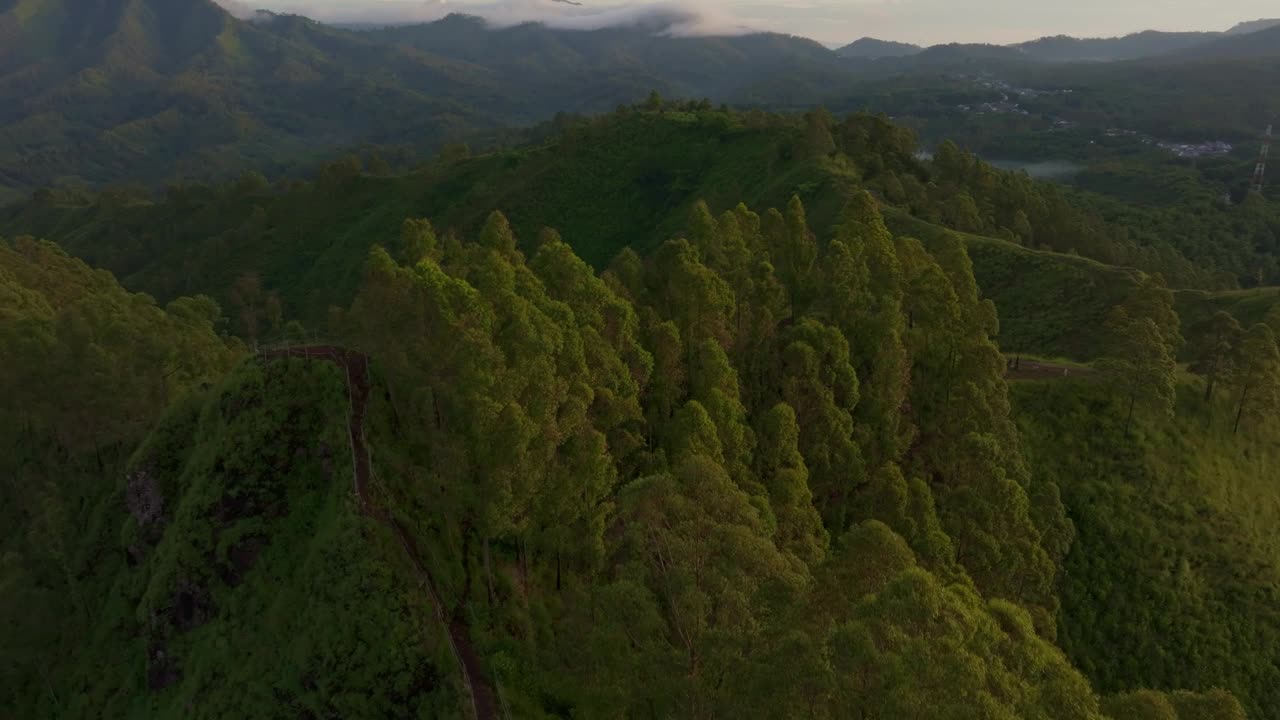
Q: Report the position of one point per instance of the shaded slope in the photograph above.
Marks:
(246, 562)
(1175, 572)
(355, 369)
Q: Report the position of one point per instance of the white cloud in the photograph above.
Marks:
(832, 21)
(237, 8)
(682, 19)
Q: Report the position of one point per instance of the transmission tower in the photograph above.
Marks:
(1259, 173)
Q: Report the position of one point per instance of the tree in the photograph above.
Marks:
(695, 541)
(951, 163)
(864, 286)
(793, 250)
(821, 386)
(1153, 299)
(1140, 364)
(962, 213)
(781, 468)
(1139, 705)
(1272, 319)
(497, 235)
(417, 242)
(714, 383)
(1259, 375)
(258, 309)
(1216, 357)
(1216, 704)
(817, 133)
(697, 298)
(1022, 229)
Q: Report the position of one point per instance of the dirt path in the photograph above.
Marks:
(356, 368)
(1038, 370)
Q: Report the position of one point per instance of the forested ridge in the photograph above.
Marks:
(739, 442)
(643, 167)
(752, 471)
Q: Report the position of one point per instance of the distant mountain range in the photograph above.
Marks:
(1253, 26)
(161, 90)
(873, 49)
(157, 91)
(1263, 43)
(1063, 48)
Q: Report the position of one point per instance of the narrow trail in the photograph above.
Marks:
(1038, 370)
(355, 365)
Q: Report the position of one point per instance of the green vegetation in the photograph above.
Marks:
(1173, 578)
(745, 472)
(643, 170)
(688, 459)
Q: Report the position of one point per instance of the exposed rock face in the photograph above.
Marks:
(142, 495)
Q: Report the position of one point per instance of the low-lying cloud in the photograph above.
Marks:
(679, 19)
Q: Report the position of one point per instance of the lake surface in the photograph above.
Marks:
(1041, 169)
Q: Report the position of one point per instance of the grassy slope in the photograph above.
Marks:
(1175, 533)
(1048, 302)
(1053, 304)
(261, 592)
(1195, 307)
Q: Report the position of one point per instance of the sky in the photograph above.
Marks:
(833, 22)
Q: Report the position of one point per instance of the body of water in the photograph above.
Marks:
(1041, 169)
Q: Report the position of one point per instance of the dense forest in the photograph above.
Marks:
(752, 468)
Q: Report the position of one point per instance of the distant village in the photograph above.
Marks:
(1182, 150)
(1008, 105)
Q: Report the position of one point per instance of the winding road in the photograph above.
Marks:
(355, 366)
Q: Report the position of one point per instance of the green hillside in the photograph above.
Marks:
(1175, 531)
(622, 180)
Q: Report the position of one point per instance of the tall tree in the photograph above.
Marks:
(417, 242)
(1259, 375)
(691, 294)
(794, 251)
(695, 541)
(257, 309)
(1218, 352)
(1152, 299)
(781, 468)
(1140, 363)
(864, 285)
(821, 386)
